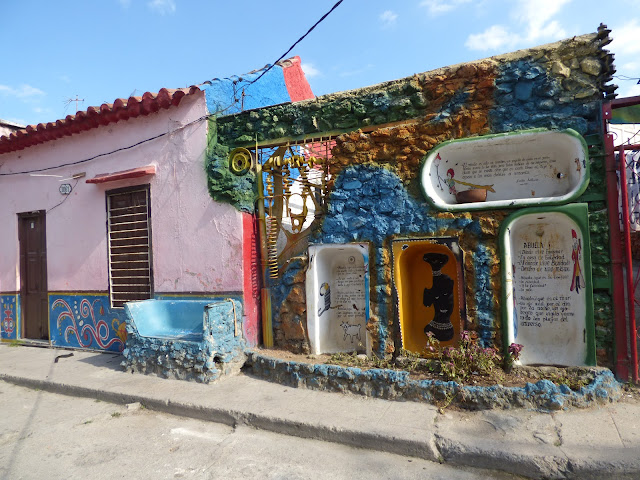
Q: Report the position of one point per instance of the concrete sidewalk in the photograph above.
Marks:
(587, 443)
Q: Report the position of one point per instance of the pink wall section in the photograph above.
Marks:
(197, 243)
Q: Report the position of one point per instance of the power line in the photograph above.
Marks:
(44, 169)
(296, 43)
(205, 117)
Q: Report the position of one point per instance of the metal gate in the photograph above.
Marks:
(624, 287)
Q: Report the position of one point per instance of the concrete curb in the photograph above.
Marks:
(425, 449)
(599, 442)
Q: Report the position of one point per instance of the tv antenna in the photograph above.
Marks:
(69, 101)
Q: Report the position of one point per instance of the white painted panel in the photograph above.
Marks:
(515, 169)
(546, 289)
(337, 287)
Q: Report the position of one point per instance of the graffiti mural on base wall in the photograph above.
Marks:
(9, 316)
(86, 321)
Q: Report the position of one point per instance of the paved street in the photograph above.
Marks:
(47, 435)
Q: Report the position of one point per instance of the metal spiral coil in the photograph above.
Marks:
(272, 240)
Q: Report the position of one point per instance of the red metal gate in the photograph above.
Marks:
(626, 361)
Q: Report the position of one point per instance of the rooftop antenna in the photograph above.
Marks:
(68, 102)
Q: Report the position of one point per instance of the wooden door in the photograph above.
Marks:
(33, 275)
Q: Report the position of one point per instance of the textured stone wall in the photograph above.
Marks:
(384, 132)
(397, 385)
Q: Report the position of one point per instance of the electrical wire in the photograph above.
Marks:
(205, 117)
(632, 136)
(625, 77)
(44, 169)
(296, 43)
(66, 196)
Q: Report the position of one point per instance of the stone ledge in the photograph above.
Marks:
(544, 395)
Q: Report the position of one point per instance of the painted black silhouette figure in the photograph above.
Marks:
(440, 295)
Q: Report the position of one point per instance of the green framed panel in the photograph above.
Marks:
(547, 289)
(506, 170)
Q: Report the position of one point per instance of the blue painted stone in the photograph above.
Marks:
(352, 184)
(523, 90)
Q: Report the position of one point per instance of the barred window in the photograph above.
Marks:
(129, 231)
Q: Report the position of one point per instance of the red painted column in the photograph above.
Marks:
(615, 239)
(251, 279)
(294, 79)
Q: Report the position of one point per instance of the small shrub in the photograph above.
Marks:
(469, 358)
(513, 354)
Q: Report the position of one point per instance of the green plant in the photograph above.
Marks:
(458, 364)
(413, 359)
(573, 382)
(116, 414)
(352, 360)
(513, 354)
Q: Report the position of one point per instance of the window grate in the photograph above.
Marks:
(128, 228)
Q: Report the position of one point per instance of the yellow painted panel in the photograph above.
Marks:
(412, 275)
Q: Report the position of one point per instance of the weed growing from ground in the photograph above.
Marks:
(469, 358)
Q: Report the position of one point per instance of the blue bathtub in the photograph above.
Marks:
(184, 339)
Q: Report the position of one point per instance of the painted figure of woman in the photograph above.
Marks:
(450, 182)
(576, 256)
(440, 295)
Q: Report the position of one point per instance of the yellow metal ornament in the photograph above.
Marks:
(240, 161)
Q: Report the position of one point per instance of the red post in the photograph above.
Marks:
(622, 357)
(633, 361)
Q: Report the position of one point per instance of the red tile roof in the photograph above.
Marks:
(121, 109)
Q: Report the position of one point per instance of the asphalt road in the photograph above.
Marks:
(46, 435)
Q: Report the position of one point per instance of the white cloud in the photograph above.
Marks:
(125, 3)
(630, 66)
(626, 47)
(532, 23)
(438, 7)
(625, 39)
(27, 91)
(309, 70)
(535, 15)
(388, 18)
(163, 7)
(493, 38)
(23, 91)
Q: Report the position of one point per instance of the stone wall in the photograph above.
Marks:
(383, 134)
(398, 385)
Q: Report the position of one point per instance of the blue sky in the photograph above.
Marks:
(101, 50)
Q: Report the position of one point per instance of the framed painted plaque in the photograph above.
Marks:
(547, 290)
(517, 169)
(337, 286)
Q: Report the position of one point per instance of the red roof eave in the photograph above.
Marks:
(94, 117)
(124, 174)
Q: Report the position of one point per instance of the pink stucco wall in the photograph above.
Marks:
(197, 243)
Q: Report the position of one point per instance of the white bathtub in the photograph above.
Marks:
(516, 169)
(337, 286)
